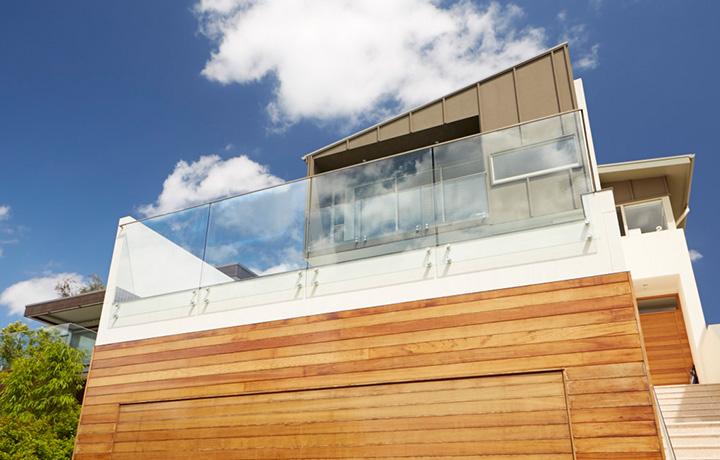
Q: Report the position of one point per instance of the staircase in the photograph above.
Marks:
(692, 418)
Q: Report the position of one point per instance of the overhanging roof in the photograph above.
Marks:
(677, 169)
(83, 310)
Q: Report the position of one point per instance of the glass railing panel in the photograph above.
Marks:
(509, 180)
(258, 234)
(161, 255)
(512, 179)
(371, 209)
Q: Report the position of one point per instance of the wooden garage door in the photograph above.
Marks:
(499, 416)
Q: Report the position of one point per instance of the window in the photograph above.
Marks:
(647, 217)
(534, 160)
(657, 304)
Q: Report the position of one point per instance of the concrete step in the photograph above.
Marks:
(665, 391)
(692, 417)
(696, 404)
(694, 395)
(696, 416)
(694, 429)
(696, 442)
(697, 454)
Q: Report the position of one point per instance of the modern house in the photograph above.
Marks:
(462, 281)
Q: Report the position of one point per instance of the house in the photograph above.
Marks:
(460, 281)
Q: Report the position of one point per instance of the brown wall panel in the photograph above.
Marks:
(536, 92)
(461, 105)
(498, 103)
(639, 189)
(428, 117)
(580, 338)
(566, 89)
(367, 138)
(536, 88)
(396, 128)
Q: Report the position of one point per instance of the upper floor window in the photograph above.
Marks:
(645, 217)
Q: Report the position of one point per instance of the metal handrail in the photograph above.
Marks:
(667, 441)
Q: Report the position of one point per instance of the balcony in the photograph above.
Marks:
(77, 337)
(272, 243)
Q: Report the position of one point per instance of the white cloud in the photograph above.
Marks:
(33, 290)
(590, 59)
(346, 60)
(578, 37)
(8, 233)
(208, 178)
(695, 255)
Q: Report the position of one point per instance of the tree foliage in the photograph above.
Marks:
(68, 287)
(39, 390)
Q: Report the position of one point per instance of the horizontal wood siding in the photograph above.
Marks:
(473, 416)
(180, 390)
(668, 349)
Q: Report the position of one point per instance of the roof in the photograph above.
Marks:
(677, 169)
(83, 310)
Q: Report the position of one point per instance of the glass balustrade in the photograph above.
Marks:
(161, 255)
(373, 208)
(513, 179)
(257, 234)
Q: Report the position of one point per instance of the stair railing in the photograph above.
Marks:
(667, 442)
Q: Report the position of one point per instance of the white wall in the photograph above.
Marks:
(558, 252)
(710, 350)
(660, 264)
(582, 105)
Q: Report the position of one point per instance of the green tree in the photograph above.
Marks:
(39, 392)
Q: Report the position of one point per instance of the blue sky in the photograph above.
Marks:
(99, 101)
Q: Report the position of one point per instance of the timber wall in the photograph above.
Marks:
(564, 363)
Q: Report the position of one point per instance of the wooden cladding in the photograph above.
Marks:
(668, 348)
(540, 87)
(474, 416)
(552, 371)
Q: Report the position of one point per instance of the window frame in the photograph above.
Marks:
(667, 214)
(540, 172)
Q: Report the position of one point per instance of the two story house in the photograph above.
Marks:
(460, 281)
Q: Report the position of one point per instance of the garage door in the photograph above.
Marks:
(499, 416)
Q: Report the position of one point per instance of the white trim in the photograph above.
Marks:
(541, 172)
(582, 106)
